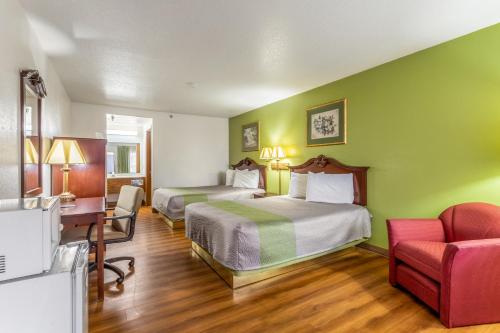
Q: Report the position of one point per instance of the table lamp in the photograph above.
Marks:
(266, 154)
(278, 154)
(65, 152)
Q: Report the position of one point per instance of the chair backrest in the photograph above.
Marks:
(129, 201)
(471, 221)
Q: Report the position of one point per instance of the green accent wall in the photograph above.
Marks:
(427, 125)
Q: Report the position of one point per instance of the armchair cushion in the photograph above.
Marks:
(80, 233)
(400, 230)
(423, 256)
(109, 233)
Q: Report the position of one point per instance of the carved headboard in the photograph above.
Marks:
(330, 165)
(249, 164)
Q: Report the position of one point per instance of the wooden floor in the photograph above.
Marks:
(172, 290)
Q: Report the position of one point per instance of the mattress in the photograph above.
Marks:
(172, 201)
(247, 235)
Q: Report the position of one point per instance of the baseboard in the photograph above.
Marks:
(375, 249)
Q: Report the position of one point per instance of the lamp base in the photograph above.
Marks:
(279, 166)
(67, 197)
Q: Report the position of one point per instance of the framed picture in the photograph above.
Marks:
(327, 124)
(250, 137)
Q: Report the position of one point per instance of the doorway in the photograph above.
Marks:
(128, 155)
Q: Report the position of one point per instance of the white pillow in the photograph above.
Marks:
(246, 179)
(298, 185)
(331, 188)
(230, 177)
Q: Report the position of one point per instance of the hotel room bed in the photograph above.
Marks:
(171, 202)
(254, 234)
(246, 241)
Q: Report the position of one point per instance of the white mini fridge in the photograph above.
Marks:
(52, 302)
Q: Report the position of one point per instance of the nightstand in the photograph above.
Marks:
(264, 195)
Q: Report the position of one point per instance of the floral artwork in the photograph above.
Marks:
(326, 124)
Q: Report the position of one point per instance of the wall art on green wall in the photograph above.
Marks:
(327, 124)
(250, 137)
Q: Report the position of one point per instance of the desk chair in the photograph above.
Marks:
(118, 228)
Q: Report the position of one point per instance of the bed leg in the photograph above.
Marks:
(154, 210)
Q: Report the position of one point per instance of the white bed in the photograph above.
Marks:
(170, 203)
(246, 241)
(246, 235)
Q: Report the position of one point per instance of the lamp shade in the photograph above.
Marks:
(266, 153)
(278, 153)
(30, 153)
(65, 151)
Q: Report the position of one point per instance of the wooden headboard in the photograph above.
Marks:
(249, 164)
(330, 165)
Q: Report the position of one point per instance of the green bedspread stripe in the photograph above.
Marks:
(192, 198)
(276, 232)
(190, 195)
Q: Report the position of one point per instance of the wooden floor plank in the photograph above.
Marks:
(173, 290)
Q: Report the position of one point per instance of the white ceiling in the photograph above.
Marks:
(225, 57)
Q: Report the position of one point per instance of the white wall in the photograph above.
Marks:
(188, 150)
(21, 50)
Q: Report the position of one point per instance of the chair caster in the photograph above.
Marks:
(119, 280)
(131, 263)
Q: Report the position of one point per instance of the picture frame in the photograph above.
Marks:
(250, 137)
(327, 124)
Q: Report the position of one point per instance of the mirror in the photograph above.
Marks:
(123, 158)
(32, 92)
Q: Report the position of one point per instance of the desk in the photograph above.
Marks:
(85, 212)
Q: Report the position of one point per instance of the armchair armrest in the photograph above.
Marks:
(111, 218)
(414, 229)
(107, 218)
(471, 282)
(411, 229)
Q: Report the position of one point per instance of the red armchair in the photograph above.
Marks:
(451, 263)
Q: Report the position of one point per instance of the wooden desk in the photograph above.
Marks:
(85, 212)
